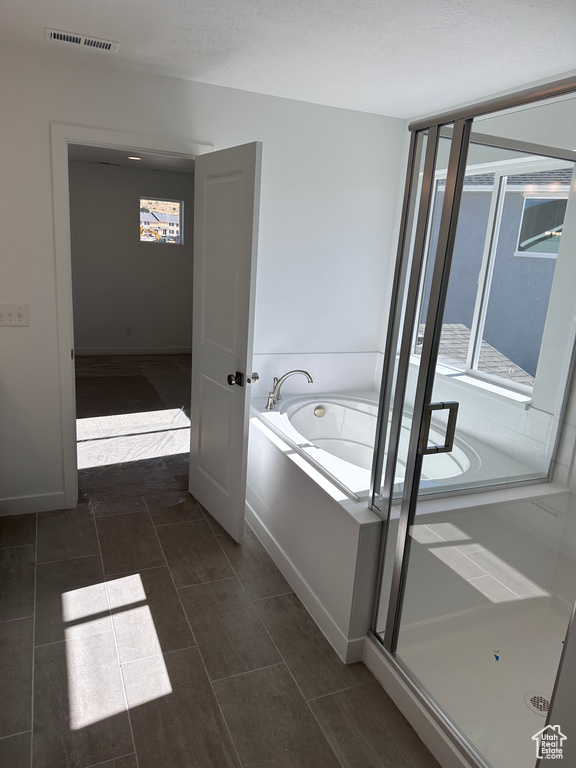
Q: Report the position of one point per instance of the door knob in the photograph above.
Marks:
(237, 378)
(253, 378)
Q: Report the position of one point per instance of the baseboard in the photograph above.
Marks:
(79, 351)
(26, 505)
(427, 728)
(347, 650)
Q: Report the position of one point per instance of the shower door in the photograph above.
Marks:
(476, 591)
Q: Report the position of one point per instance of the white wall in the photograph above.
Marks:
(329, 192)
(118, 281)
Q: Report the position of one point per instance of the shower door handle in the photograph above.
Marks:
(423, 448)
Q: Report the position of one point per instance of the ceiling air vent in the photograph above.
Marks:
(82, 40)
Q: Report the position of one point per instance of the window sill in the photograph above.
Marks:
(471, 382)
(466, 379)
(535, 255)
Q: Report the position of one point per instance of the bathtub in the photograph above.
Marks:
(336, 433)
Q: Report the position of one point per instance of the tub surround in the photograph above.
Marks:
(332, 372)
(326, 549)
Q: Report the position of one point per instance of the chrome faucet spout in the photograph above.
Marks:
(274, 395)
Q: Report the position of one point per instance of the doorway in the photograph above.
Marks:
(132, 298)
(224, 267)
(115, 142)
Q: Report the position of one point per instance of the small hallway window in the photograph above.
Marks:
(161, 220)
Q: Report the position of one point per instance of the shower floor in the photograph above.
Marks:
(479, 665)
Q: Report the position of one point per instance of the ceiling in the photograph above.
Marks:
(148, 160)
(401, 58)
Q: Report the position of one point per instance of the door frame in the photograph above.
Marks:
(61, 135)
(433, 329)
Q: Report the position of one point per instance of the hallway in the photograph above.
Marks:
(150, 639)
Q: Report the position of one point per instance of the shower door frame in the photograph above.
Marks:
(427, 367)
(461, 121)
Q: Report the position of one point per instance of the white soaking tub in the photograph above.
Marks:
(336, 433)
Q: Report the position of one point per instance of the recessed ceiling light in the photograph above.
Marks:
(134, 158)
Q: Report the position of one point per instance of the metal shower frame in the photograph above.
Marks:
(399, 336)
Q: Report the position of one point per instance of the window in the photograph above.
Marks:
(158, 219)
(497, 304)
(541, 226)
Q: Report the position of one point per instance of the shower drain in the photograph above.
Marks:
(537, 703)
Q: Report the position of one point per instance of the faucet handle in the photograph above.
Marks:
(270, 403)
(277, 397)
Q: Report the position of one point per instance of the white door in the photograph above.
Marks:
(226, 206)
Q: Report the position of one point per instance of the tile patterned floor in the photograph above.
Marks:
(135, 633)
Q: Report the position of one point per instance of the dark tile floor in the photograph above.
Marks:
(135, 633)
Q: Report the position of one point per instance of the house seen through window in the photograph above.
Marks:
(161, 221)
(541, 228)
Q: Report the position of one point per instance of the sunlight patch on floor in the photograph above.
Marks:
(506, 582)
(128, 423)
(106, 440)
(94, 685)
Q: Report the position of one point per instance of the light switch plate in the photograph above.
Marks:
(14, 314)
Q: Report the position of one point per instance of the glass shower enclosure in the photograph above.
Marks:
(473, 468)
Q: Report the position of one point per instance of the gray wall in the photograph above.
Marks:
(520, 287)
(519, 294)
(119, 282)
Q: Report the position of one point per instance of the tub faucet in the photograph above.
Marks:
(274, 396)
